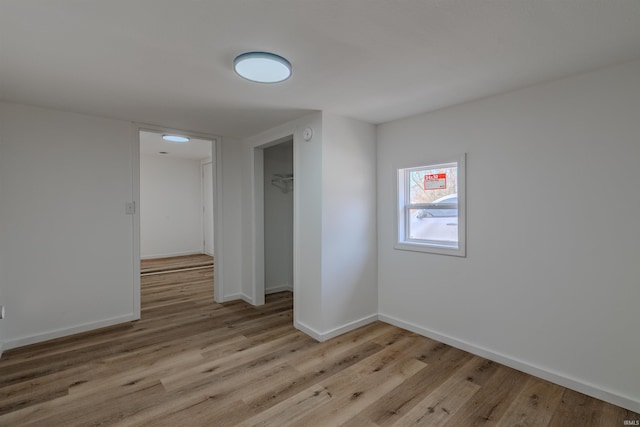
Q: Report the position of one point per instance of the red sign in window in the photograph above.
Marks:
(435, 181)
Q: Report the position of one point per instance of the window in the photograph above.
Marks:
(431, 208)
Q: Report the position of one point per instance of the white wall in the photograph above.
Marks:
(229, 210)
(67, 245)
(3, 236)
(278, 220)
(307, 214)
(349, 246)
(307, 225)
(3, 253)
(550, 283)
(170, 206)
(335, 287)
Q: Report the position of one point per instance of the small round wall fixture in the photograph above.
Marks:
(262, 67)
(175, 138)
(307, 134)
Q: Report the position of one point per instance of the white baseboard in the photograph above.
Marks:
(308, 330)
(284, 288)
(349, 327)
(239, 295)
(63, 332)
(332, 333)
(170, 254)
(554, 377)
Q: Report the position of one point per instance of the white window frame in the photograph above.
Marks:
(403, 242)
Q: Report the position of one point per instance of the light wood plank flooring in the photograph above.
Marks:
(192, 362)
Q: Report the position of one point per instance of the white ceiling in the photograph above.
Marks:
(152, 144)
(169, 62)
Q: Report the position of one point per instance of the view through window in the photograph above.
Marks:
(430, 208)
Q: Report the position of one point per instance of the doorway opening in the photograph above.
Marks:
(274, 201)
(176, 217)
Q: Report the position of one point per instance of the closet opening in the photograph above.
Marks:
(274, 196)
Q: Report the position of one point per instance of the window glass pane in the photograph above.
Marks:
(432, 185)
(440, 228)
(437, 187)
(431, 208)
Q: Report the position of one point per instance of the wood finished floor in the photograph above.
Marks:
(192, 362)
(156, 265)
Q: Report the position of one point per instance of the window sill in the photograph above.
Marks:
(431, 248)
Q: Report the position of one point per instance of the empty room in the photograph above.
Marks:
(320, 213)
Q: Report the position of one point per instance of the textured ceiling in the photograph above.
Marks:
(169, 62)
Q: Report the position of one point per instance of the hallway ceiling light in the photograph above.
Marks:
(262, 67)
(175, 138)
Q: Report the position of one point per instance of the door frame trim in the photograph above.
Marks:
(216, 151)
(203, 164)
(257, 199)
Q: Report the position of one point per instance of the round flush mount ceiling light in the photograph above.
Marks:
(262, 67)
(175, 138)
